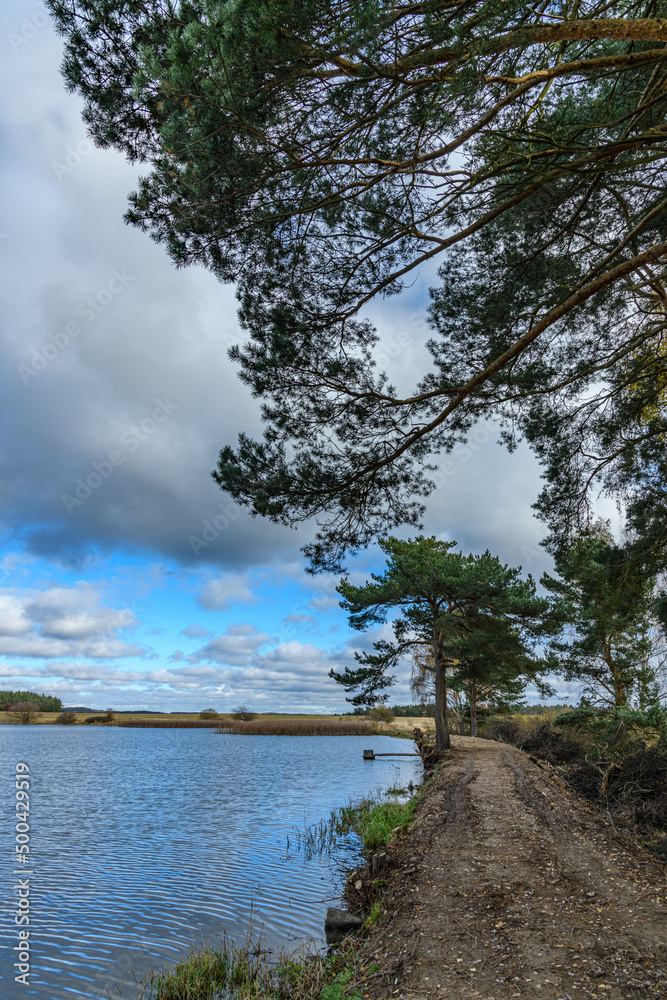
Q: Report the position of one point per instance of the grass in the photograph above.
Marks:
(374, 913)
(266, 725)
(245, 973)
(269, 723)
(375, 822)
(294, 727)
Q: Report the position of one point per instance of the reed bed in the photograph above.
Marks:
(295, 727)
(169, 724)
(260, 727)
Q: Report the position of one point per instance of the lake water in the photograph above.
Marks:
(145, 841)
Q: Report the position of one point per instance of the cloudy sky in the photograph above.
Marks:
(126, 577)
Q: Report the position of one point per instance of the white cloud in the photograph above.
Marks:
(235, 646)
(218, 594)
(63, 621)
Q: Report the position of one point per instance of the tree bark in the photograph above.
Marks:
(473, 710)
(442, 741)
(620, 694)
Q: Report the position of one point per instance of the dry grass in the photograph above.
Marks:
(41, 718)
(146, 722)
(425, 723)
(297, 727)
(278, 724)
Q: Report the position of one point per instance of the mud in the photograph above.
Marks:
(509, 885)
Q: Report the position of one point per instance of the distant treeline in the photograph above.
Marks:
(44, 702)
(428, 710)
(413, 711)
(539, 709)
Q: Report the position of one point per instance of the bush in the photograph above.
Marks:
(243, 714)
(616, 757)
(23, 712)
(208, 713)
(548, 744)
(503, 730)
(66, 719)
(95, 719)
(111, 715)
(381, 714)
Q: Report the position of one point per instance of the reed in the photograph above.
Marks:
(248, 973)
(168, 724)
(295, 727)
(260, 727)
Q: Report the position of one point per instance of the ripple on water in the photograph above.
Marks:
(147, 841)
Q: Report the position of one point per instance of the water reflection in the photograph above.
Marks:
(144, 842)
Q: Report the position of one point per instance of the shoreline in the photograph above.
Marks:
(502, 884)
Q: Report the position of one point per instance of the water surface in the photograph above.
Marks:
(145, 841)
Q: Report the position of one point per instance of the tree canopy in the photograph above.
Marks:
(610, 604)
(319, 153)
(44, 702)
(488, 677)
(466, 608)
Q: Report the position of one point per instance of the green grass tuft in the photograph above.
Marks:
(374, 822)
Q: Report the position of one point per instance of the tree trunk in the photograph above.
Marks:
(473, 710)
(620, 694)
(442, 741)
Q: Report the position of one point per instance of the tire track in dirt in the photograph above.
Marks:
(508, 885)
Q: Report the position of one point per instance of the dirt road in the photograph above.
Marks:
(509, 886)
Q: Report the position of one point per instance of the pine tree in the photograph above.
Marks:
(319, 153)
(609, 602)
(449, 604)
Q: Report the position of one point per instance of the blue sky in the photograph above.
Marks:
(126, 577)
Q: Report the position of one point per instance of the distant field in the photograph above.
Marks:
(163, 720)
(46, 718)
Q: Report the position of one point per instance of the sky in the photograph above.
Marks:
(127, 578)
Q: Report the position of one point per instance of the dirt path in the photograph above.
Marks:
(509, 886)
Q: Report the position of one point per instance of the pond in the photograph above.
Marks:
(144, 842)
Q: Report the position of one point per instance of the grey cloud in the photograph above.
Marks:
(99, 326)
(196, 632)
(235, 646)
(299, 620)
(291, 676)
(156, 332)
(45, 647)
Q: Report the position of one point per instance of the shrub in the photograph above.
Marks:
(66, 719)
(208, 713)
(23, 712)
(94, 719)
(111, 715)
(243, 714)
(381, 714)
(548, 744)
